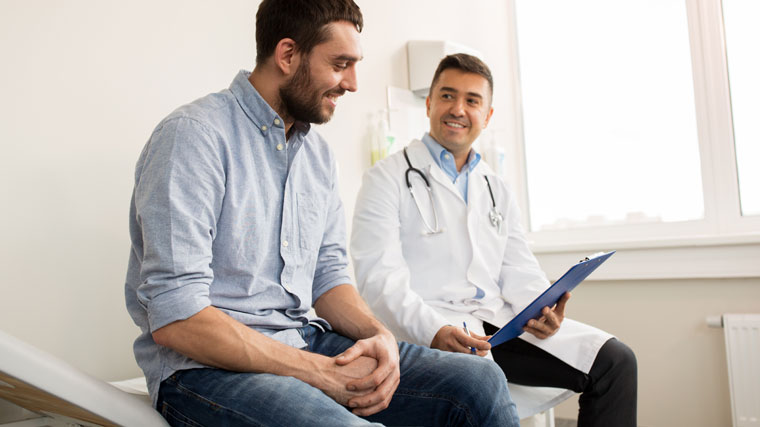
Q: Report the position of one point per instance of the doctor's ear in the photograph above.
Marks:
(427, 105)
(488, 118)
(285, 56)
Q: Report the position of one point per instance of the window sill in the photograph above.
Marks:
(733, 256)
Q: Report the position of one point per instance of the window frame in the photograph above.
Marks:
(726, 243)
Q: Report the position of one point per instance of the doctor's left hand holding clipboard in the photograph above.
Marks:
(557, 292)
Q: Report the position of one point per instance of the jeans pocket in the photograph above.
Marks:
(176, 418)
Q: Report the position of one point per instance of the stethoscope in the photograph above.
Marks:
(493, 215)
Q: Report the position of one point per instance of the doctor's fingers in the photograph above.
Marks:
(559, 309)
(480, 337)
(551, 318)
(467, 343)
(546, 323)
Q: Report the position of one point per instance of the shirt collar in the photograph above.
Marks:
(256, 108)
(447, 164)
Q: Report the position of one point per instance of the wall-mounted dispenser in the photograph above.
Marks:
(423, 58)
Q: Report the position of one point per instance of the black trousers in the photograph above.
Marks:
(608, 391)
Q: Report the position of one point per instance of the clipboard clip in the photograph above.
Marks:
(590, 257)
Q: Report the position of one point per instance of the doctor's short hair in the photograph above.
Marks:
(466, 63)
(304, 21)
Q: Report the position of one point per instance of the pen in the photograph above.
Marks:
(466, 331)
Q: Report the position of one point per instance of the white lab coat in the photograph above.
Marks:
(417, 283)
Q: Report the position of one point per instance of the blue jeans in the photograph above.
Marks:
(436, 389)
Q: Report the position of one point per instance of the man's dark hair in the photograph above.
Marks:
(304, 21)
(466, 63)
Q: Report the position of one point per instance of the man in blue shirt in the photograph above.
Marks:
(237, 232)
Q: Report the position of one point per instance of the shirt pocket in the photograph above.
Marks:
(310, 222)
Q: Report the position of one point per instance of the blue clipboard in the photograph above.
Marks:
(572, 278)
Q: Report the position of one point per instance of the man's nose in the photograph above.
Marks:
(350, 81)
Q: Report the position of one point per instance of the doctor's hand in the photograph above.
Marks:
(380, 384)
(454, 339)
(548, 324)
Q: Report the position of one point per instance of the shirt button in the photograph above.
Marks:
(264, 127)
(279, 147)
(446, 156)
(285, 243)
(277, 121)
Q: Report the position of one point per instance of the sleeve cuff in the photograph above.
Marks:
(177, 304)
(328, 281)
(431, 327)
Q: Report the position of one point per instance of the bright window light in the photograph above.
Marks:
(608, 112)
(742, 35)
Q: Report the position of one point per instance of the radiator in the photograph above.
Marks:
(742, 333)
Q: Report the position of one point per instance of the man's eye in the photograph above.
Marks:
(341, 66)
(446, 96)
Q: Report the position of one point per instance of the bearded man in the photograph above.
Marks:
(238, 232)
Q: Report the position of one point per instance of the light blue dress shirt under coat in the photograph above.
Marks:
(225, 212)
(445, 160)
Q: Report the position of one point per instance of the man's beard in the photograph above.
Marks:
(300, 100)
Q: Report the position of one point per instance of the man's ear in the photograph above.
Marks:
(427, 105)
(285, 56)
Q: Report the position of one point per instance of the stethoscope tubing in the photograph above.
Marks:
(493, 214)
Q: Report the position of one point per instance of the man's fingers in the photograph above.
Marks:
(377, 377)
(376, 401)
(349, 355)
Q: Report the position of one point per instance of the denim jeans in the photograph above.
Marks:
(436, 389)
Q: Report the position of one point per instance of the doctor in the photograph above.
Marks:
(437, 241)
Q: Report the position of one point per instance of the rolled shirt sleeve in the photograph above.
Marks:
(177, 200)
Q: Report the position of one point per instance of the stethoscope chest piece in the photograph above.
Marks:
(493, 214)
(496, 218)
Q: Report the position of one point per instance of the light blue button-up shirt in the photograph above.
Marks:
(226, 212)
(445, 160)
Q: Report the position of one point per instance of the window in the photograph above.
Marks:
(608, 111)
(742, 34)
(630, 137)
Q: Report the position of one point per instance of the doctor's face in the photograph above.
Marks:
(459, 107)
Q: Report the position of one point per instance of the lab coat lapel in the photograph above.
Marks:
(422, 160)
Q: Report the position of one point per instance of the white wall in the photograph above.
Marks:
(683, 377)
(84, 82)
